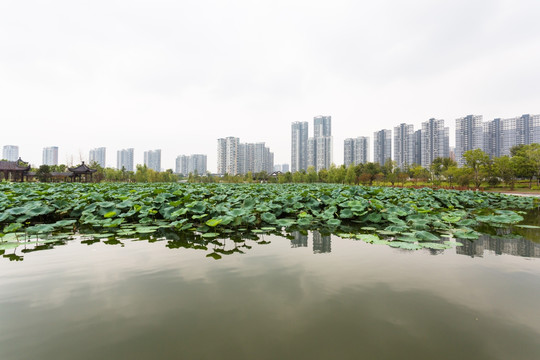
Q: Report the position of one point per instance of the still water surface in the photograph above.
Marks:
(311, 297)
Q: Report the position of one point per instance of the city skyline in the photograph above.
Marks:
(143, 81)
(495, 137)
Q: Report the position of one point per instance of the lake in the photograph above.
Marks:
(305, 297)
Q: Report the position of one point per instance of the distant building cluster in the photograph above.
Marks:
(235, 158)
(421, 147)
(191, 164)
(281, 167)
(313, 151)
(407, 146)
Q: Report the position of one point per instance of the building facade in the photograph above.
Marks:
(492, 138)
(125, 159)
(382, 146)
(417, 157)
(299, 146)
(192, 164)
(97, 155)
(404, 145)
(356, 151)
(10, 152)
(228, 152)
(240, 158)
(435, 141)
(320, 145)
(519, 130)
(469, 136)
(152, 159)
(50, 155)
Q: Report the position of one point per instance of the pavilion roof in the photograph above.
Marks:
(82, 169)
(18, 165)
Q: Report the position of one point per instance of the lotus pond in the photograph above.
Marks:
(264, 272)
(405, 218)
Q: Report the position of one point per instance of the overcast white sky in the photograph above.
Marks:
(178, 75)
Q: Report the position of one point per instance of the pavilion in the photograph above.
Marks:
(14, 170)
(82, 172)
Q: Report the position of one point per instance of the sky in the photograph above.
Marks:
(178, 75)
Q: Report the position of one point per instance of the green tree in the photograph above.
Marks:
(505, 168)
(370, 172)
(477, 161)
(311, 174)
(44, 173)
(350, 176)
(524, 163)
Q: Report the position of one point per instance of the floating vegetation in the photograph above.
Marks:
(403, 218)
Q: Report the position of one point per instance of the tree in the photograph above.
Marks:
(44, 173)
(440, 165)
(505, 168)
(524, 164)
(350, 177)
(311, 174)
(477, 161)
(371, 170)
(389, 170)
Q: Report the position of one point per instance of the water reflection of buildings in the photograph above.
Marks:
(300, 240)
(516, 247)
(321, 244)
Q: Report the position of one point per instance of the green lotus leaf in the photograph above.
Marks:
(214, 222)
(334, 222)
(110, 214)
(528, 226)
(435, 246)
(424, 235)
(369, 238)
(12, 227)
(404, 245)
(268, 218)
(210, 235)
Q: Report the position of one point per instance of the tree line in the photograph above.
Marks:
(478, 169)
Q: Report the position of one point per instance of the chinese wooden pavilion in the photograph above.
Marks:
(82, 173)
(14, 170)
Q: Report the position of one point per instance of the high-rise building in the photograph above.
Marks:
(404, 145)
(10, 153)
(520, 130)
(125, 159)
(97, 155)
(417, 157)
(240, 158)
(493, 138)
(50, 155)
(197, 164)
(192, 164)
(299, 146)
(228, 155)
(382, 146)
(319, 147)
(182, 163)
(435, 141)
(263, 159)
(152, 159)
(469, 136)
(284, 168)
(322, 126)
(356, 151)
